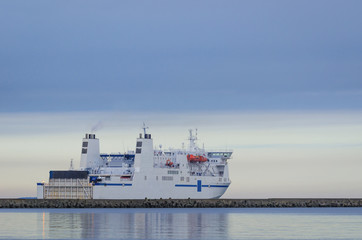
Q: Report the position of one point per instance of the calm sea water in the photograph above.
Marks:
(292, 223)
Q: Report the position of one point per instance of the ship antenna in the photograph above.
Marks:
(71, 164)
(144, 128)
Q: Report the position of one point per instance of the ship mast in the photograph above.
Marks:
(71, 167)
(192, 138)
(144, 128)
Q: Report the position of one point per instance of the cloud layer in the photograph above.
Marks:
(173, 56)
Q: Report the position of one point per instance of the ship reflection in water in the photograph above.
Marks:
(196, 223)
(133, 224)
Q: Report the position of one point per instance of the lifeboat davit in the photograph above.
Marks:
(197, 158)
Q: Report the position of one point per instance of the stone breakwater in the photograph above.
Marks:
(179, 203)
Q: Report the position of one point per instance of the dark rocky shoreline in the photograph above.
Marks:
(181, 203)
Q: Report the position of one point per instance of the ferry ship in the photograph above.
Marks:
(147, 172)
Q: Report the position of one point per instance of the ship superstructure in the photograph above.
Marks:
(146, 172)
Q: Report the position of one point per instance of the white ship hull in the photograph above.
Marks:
(197, 189)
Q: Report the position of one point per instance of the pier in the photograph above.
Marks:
(182, 203)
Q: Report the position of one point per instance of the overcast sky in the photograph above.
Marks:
(280, 82)
(180, 56)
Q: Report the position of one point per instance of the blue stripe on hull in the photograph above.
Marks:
(113, 184)
(176, 185)
(186, 185)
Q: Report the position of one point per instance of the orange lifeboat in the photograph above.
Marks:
(197, 158)
(169, 163)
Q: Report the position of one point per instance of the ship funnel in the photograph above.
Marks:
(144, 154)
(90, 157)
